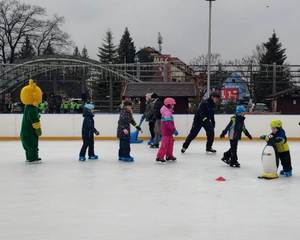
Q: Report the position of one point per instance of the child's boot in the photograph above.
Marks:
(82, 158)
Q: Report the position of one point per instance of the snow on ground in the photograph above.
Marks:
(66, 199)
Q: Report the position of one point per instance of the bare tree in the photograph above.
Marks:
(202, 60)
(50, 33)
(18, 20)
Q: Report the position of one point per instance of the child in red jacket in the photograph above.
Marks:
(167, 130)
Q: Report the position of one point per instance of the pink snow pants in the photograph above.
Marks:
(166, 147)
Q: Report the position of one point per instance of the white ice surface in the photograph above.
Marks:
(63, 199)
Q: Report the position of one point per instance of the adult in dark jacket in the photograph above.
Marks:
(149, 116)
(204, 117)
(88, 131)
(158, 103)
(123, 132)
(235, 128)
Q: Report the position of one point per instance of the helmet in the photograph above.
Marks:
(240, 109)
(276, 124)
(169, 101)
(89, 106)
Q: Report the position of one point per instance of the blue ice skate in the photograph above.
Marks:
(288, 174)
(95, 157)
(151, 142)
(82, 159)
(126, 159)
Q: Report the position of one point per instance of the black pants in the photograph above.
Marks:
(232, 152)
(210, 133)
(124, 150)
(151, 129)
(88, 143)
(285, 159)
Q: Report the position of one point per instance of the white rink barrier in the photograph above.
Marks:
(68, 126)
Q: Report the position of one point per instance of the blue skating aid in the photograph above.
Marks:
(134, 136)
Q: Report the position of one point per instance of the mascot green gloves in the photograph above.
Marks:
(31, 96)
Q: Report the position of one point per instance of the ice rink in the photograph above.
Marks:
(63, 199)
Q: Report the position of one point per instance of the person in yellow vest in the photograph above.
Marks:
(278, 139)
(31, 96)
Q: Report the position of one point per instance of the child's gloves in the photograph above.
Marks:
(176, 133)
(97, 133)
(38, 132)
(263, 137)
(138, 128)
(125, 131)
(222, 135)
(250, 137)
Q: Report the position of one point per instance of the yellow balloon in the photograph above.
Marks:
(31, 94)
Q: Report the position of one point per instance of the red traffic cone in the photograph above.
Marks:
(220, 179)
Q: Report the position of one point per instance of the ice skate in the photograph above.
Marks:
(234, 164)
(211, 151)
(171, 159)
(158, 160)
(39, 160)
(154, 146)
(288, 174)
(82, 159)
(183, 150)
(95, 157)
(126, 159)
(225, 160)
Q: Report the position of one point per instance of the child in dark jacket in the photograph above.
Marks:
(235, 128)
(278, 140)
(88, 131)
(123, 134)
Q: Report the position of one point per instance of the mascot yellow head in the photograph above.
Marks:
(31, 94)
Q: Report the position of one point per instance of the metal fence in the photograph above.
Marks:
(103, 84)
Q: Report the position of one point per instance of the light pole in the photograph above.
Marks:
(209, 48)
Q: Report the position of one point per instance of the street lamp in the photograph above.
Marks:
(209, 48)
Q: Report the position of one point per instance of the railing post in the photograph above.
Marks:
(274, 85)
(165, 72)
(138, 71)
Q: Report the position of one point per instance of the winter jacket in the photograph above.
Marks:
(88, 126)
(156, 108)
(236, 127)
(167, 121)
(205, 112)
(279, 141)
(124, 122)
(149, 112)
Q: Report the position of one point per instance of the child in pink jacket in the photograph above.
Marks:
(167, 130)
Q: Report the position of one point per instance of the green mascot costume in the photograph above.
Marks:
(31, 96)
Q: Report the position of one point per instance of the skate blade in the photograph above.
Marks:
(34, 162)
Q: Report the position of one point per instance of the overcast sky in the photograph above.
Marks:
(238, 25)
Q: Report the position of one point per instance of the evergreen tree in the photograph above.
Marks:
(27, 51)
(76, 52)
(126, 48)
(263, 80)
(84, 53)
(49, 50)
(108, 51)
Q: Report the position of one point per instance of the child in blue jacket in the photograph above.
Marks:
(235, 128)
(88, 131)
